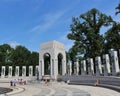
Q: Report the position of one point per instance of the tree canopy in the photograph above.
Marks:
(85, 31)
(112, 38)
(20, 56)
(118, 9)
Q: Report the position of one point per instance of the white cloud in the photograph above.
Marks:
(48, 20)
(13, 44)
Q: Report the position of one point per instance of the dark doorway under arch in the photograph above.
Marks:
(60, 57)
(47, 64)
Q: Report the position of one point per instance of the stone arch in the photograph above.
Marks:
(47, 63)
(60, 59)
(52, 49)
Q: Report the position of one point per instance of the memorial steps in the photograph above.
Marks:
(106, 82)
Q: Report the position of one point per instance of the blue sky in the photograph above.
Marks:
(32, 22)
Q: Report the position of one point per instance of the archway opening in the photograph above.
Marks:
(60, 59)
(47, 64)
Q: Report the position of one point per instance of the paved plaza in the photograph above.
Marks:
(57, 89)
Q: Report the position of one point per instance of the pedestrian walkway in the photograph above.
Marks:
(58, 89)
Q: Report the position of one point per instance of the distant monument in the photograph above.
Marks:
(52, 60)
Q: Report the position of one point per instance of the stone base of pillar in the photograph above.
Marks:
(2, 76)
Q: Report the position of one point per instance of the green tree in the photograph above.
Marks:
(112, 38)
(5, 56)
(85, 31)
(20, 57)
(118, 9)
(73, 55)
(34, 60)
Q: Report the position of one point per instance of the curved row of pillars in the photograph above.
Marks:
(109, 65)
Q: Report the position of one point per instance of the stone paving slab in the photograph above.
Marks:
(59, 89)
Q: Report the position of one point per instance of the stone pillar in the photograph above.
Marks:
(90, 67)
(37, 70)
(77, 64)
(17, 71)
(10, 71)
(69, 68)
(106, 63)
(23, 70)
(30, 70)
(3, 72)
(55, 68)
(63, 67)
(119, 56)
(52, 64)
(76, 68)
(40, 69)
(114, 62)
(50, 67)
(83, 67)
(70, 65)
(98, 65)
